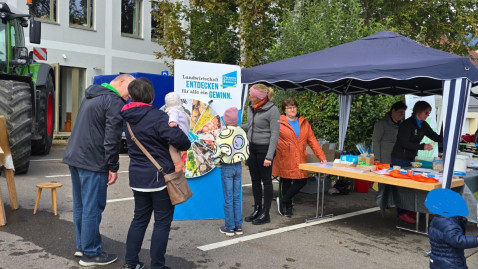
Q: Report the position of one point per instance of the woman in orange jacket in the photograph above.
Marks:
(294, 135)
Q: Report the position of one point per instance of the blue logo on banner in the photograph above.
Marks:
(164, 73)
(229, 80)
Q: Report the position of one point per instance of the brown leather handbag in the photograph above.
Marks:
(176, 182)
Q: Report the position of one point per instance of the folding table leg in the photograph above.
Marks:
(417, 230)
(317, 217)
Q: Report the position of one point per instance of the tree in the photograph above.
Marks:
(444, 25)
(258, 24)
(316, 25)
(252, 32)
(173, 39)
(232, 32)
(322, 112)
(212, 32)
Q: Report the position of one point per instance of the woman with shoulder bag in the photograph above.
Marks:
(150, 126)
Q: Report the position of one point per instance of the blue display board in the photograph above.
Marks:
(207, 201)
(162, 84)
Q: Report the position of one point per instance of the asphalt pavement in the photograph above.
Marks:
(357, 236)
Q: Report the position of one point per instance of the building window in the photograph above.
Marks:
(81, 13)
(44, 10)
(155, 23)
(131, 17)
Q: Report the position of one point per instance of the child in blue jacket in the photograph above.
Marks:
(447, 230)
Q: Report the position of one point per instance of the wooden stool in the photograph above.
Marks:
(47, 185)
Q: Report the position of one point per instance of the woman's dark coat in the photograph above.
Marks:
(150, 127)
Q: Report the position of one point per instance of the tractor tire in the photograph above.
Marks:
(46, 110)
(16, 106)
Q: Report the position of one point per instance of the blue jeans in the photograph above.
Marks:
(231, 175)
(145, 203)
(89, 201)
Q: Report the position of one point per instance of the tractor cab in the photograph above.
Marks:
(14, 56)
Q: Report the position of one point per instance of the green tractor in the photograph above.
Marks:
(27, 98)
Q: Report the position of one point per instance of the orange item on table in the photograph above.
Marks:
(397, 174)
(381, 166)
(419, 178)
(425, 179)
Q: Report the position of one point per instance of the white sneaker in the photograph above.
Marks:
(280, 209)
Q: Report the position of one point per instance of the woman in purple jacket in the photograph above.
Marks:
(150, 127)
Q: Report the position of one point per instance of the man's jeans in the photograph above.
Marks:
(89, 201)
(231, 175)
(146, 203)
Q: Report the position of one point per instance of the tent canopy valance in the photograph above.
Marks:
(383, 63)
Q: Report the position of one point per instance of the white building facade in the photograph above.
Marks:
(87, 38)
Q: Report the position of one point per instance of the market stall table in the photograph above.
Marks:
(373, 177)
(413, 200)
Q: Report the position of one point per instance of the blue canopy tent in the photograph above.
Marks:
(383, 63)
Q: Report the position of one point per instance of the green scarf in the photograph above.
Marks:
(106, 85)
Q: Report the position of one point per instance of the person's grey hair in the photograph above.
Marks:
(123, 76)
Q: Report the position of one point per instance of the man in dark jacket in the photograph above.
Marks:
(447, 232)
(92, 154)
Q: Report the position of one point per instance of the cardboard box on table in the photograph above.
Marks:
(346, 160)
(329, 151)
(368, 160)
(344, 165)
